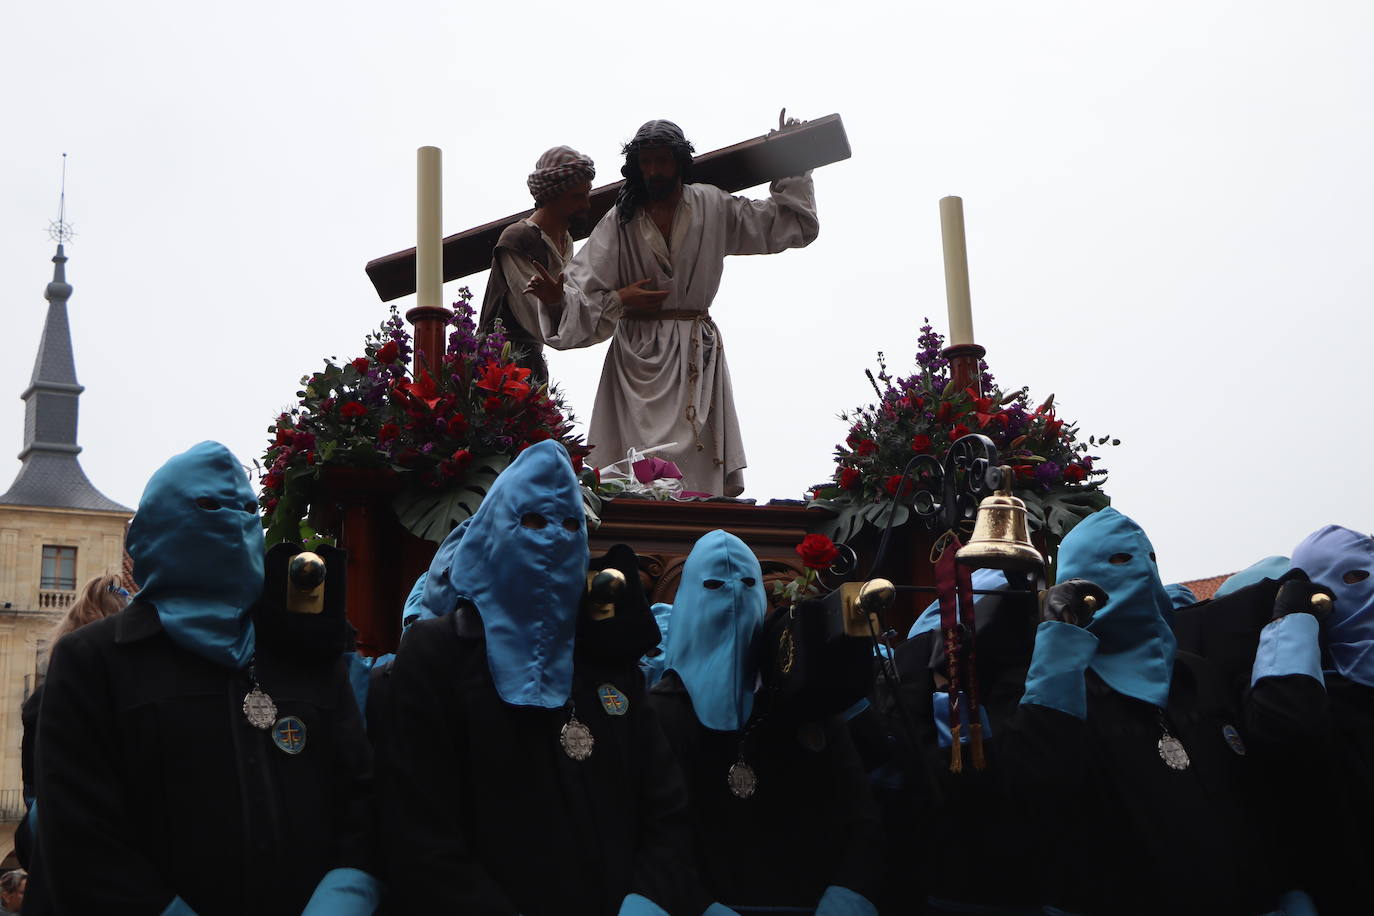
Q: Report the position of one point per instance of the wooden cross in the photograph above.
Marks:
(789, 151)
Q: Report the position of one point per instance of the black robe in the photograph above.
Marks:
(153, 785)
(1316, 747)
(810, 824)
(484, 813)
(975, 846)
(1120, 832)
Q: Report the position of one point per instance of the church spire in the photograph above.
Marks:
(51, 475)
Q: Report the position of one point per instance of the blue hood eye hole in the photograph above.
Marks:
(207, 503)
(1119, 559)
(251, 507)
(570, 524)
(1354, 576)
(1152, 558)
(713, 583)
(533, 520)
(748, 581)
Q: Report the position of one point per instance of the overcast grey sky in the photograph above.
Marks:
(1168, 210)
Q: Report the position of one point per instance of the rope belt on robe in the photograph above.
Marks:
(694, 357)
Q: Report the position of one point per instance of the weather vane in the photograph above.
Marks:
(59, 230)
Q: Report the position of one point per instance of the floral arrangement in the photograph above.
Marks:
(445, 434)
(924, 413)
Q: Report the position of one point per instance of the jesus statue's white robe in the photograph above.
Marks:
(665, 378)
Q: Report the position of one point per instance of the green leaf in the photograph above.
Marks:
(432, 515)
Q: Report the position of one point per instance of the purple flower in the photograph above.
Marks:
(1048, 473)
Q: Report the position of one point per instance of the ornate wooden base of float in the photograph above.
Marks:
(384, 559)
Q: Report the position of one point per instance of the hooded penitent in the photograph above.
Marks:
(1343, 561)
(521, 561)
(197, 547)
(1135, 646)
(1268, 568)
(718, 610)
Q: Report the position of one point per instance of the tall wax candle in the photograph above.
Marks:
(429, 237)
(956, 271)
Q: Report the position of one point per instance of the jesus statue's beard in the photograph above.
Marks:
(660, 188)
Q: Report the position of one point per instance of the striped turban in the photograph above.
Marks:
(557, 170)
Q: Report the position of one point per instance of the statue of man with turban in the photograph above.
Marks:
(665, 378)
(527, 268)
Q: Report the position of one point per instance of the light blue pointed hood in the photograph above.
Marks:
(717, 613)
(1268, 568)
(1328, 556)
(1135, 646)
(197, 546)
(653, 666)
(526, 582)
(930, 617)
(1180, 595)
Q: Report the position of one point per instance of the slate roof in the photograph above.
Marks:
(51, 476)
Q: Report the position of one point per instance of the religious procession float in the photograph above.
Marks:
(386, 453)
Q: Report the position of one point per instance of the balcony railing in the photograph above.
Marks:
(12, 805)
(55, 600)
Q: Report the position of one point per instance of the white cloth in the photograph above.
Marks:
(564, 325)
(666, 380)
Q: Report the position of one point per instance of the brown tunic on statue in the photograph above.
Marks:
(523, 239)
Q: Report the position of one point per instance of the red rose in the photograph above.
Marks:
(492, 404)
(388, 352)
(457, 425)
(958, 432)
(326, 405)
(866, 447)
(854, 438)
(1024, 471)
(272, 482)
(895, 481)
(849, 478)
(352, 410)
(1075, 474)
(462, 457)
(818, 551)
(361, 365)
(388, 432)
(920, 444)
(944, 412)
(309, 457)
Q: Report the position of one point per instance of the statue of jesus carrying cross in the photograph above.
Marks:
(665, 378)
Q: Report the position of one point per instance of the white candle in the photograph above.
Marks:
(956, 271)
(429, 236)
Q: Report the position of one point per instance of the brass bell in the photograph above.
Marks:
(1001, 539)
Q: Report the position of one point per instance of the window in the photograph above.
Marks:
(59, 568)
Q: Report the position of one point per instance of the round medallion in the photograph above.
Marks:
(1233, 739)
(742, 780)
(612, 700)
(289, 735)
(787, 652)
(576, 739)
(1171, 752)
(259, 709)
